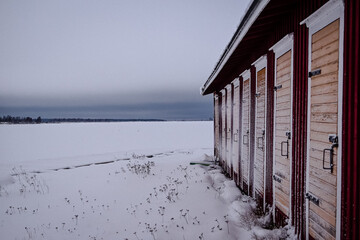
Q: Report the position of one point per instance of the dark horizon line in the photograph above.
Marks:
(20, 120)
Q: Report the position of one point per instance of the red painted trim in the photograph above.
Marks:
(269, 127)
(299, 128)
(280, 218)
(252, 128)
(350, 210)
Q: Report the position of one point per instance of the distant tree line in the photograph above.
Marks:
(29, 120)
(76, 120)
(17, 120)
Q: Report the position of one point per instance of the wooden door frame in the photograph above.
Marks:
(223, 126)
(236, 83)
(246, 77)
(229, 130)
(259, 64)
(328, 13)
(216, 128)
(281, 47)
(220, 125)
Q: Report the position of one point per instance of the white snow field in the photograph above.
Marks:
(120, 181)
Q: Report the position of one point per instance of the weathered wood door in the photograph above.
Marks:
(282, 136)
(223, 127)
(235, 151)
(323, 132)
(260, 135)
(229, 129)
(245, 149)
(216, 126)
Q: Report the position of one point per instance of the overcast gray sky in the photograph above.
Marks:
(112, 58)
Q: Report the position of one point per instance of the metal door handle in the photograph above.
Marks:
(258, 145)
(247, 139)
(331, 153)
(287, 149)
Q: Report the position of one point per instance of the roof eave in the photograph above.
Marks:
(251, 14)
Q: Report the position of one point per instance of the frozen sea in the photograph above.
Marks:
(129, 180)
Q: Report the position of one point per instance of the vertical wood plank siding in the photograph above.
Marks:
(351, 145)
(299, 128)
(252, 128)
(269, 128)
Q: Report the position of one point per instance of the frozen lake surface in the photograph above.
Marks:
(120, 181)
(55, 145)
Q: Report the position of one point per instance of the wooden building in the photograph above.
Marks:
(286, 113)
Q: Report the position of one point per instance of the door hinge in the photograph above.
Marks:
(277, 179)
(312, 198)
(277, 87)
(314, 73)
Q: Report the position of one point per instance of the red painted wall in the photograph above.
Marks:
(350, 210)
(252, 128)
(299, 128)
(269, 127)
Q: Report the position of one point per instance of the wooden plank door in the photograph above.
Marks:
(216, 126)
(260, 136)
(223, 128)
(245, 149)
(323, 132)
(235, 151)
(229, 130)
(282, 137)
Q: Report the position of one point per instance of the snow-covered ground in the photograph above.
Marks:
(119, 181)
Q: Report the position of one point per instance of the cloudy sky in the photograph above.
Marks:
(112, 58)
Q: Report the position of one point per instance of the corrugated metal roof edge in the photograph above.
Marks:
(256, 6)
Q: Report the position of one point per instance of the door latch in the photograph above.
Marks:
(288, 135)
(236, 136)
(260, 141)
(334, 140)
(246, 138)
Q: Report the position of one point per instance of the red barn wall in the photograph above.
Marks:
(290, 22)
(351, 144)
